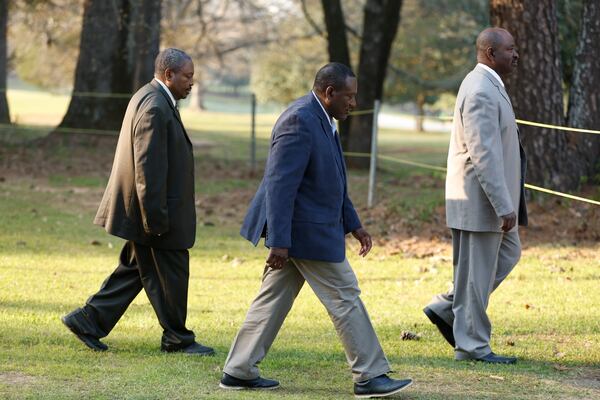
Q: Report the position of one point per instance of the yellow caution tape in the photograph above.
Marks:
(414, 163)
(539, 125)
(562, 128)
(361, 112)
(102, 95)
(566, 195)
(442, 169)
(60, 129)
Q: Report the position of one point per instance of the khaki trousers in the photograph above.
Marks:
(482, 260)
(337, 288)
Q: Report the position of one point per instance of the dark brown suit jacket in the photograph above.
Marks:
(149, 198)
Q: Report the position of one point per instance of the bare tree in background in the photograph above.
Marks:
(584, 96)
(221, 36)
(4, 112)
(535, 88)
(119, 41)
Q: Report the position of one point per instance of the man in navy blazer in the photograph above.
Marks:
(303, 210)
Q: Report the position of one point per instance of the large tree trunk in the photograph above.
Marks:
(381, 19)
(535, 88)
(4, 113)
(584, 97)
(145, 26)
(119, 42)
(337, 47)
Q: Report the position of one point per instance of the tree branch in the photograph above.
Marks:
(311, 21)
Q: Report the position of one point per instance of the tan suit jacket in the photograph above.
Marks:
(486, 164)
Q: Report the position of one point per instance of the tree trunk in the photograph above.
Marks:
(380, 24)
(420, 112)
(535, 88)
(119, 42)
(145, 25)
(198, 97)
(584, 97)
(337, 47)
(4, 112)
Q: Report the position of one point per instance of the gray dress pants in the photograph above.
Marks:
(482, 260)
(337, 288)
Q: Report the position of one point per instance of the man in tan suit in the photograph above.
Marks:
(485, 200)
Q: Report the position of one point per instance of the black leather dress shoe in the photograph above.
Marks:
(496, 359)
(193, 349)
(380, 386)
(90, 341)
(232, 383)
(443, 327)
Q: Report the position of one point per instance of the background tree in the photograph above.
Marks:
(4, 112)
(381, 20)
(44, 38)
(337, 43)
(281, 73)
(433, 50)
(119, 41)
(584, 96)
(366, 47)
(569, 26)
(535, 88)
(225, 36)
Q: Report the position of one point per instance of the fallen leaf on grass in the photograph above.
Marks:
(407, 335)
(496, 377)
(237, 262)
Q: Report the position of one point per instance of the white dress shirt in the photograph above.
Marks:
(491, 71)
(167, 90)
(331, 121)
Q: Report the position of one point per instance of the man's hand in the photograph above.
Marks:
(365, 241)
(508, 221)
(277, 257)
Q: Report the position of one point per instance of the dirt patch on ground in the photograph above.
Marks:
(587, 378)
(17, 378)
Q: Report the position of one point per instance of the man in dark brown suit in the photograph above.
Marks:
(149, 201)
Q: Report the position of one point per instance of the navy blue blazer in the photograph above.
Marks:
(302, 203)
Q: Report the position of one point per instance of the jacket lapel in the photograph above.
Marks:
(495, 83)
(326, 129)
(158, 87)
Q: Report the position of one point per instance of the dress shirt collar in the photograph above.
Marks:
(167, 90)
(491, 71)
(331, 121)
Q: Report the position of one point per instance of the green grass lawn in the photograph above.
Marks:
(52, 258)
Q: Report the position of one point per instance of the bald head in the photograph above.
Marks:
(496, 49)
(491, 37)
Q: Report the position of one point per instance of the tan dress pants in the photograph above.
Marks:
(337, 288)
(482, 260)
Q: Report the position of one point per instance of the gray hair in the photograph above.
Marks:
(173, 59)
